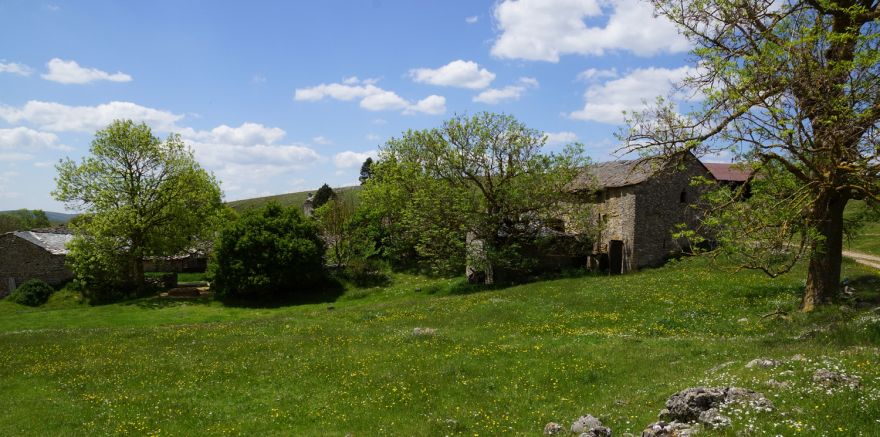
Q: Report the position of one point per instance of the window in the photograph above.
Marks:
(683, 197)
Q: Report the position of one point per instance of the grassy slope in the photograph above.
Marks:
(294, 199)
(502, 361)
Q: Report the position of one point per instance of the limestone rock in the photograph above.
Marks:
(420, 332)
(827, 377)
(764, 363)
(553, 428)
(713, 419)
(688, 404)
(585, 423)
(670, 429)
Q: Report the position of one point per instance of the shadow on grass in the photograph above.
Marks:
(158, 302)
(460, 285)
(326, 293)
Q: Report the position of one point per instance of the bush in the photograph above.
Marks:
(271, 251)
(33, 292)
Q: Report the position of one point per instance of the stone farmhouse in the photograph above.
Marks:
(638, 204)
(36, 254)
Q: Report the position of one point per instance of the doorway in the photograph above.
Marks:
(615, 257)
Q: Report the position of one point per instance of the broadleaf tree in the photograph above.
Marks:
(487, 175)
(790, 88)
(141, 196)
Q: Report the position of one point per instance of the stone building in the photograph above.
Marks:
(37, 254)
(638, 204)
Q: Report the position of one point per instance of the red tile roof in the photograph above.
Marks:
(727, 172)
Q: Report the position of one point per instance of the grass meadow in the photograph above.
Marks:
(500, 362)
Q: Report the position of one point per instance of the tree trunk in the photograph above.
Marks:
(823, 274)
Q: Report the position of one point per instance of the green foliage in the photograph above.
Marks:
(271, 251)
(485, 175)
(33, 292)
(23, 219)
(322, 196)
(142, 197)
(366, 170)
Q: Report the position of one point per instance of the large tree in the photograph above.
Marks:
(791, 89)
(142, 196)
(486, 175)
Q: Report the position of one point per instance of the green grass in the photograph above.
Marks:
(289, 199)
(502, 362)
(867, 239)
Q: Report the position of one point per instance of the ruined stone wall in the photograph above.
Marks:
(659, 208)
(21, 260)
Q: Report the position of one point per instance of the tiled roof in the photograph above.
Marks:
(614, 174)
(53, 243)
(727, 172)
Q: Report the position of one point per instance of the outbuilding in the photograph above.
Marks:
(36, 254)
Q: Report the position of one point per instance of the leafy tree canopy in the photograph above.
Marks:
(791, 89)
(23, 219)
(324, 194)
(486, 175)
(142, 197)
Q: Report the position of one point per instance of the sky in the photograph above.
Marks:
(282, 96)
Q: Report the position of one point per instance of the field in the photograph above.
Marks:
(503, 361)
(289, 199)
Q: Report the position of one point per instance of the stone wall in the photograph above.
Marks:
(618, 212)
(659, 208)
(21, 260)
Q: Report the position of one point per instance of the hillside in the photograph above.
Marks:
(289, 199)
(426, 356)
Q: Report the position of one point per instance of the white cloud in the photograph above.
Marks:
(472, 19)
(22, 140)
(606, 102)
(372, 137)
(321, 140)
(15, 68)
(58, 117)
(597, 74)
(544, 30)
(6, 182)
(244, 135)
(68, 72)
(433, 105)
(554, 138)
(371, 97)
(248, 155)
(459, 73)
(494, 96)
(349, 159)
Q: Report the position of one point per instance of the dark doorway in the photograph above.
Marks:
(615, 257)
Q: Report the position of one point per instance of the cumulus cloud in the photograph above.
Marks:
(69, 72)
(20, 141)
(459, 73)
(15, 68)
(472, 19)
(494, 96)
(606, 102)
(349, 159)
(58, 117)
(591, 74)
(248, 155)
(554, 138)
(371, 97)
(544, 30)
(320, 139)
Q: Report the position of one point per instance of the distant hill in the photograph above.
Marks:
(59, 217)
(290, 199)
(54, 217)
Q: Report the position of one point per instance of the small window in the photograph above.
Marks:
(683, 197)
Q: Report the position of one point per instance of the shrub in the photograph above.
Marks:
(271, 251)
(33, 292)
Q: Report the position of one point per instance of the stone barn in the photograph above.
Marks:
(638, 204)
(37, 254)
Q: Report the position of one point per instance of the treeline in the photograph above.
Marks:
(23, 219)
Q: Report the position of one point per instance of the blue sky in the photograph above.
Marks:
(277, 97)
